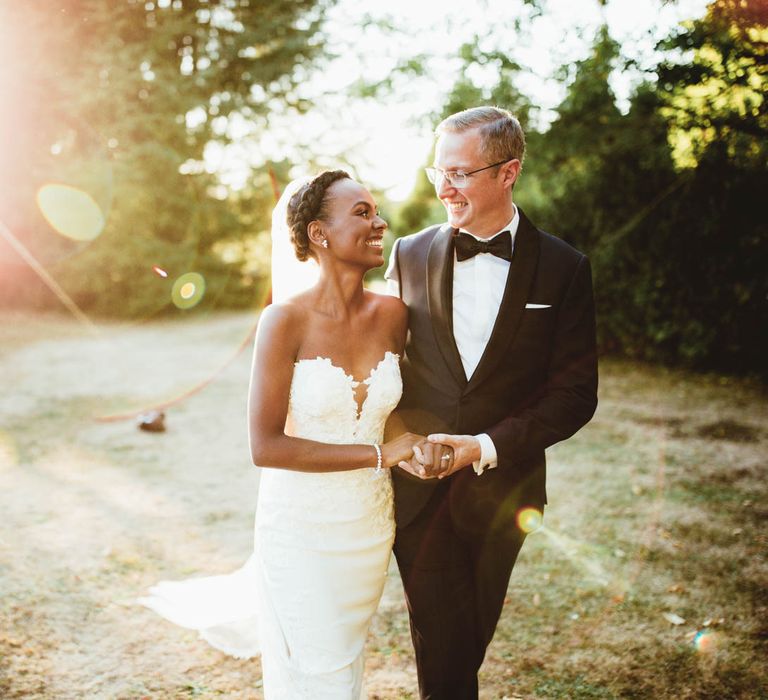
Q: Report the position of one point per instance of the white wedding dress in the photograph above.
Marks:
(306, 596)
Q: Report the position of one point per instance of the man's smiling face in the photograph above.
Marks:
(485, 204)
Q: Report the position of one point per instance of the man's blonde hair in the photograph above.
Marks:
(501, 135)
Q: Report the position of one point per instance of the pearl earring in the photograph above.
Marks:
(324, 243)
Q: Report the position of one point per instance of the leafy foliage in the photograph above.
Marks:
(121, 99)
(719, 96)
(665, 198)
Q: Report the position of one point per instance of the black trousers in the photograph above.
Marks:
(455, 584)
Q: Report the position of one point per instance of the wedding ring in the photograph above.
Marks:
(445, 457)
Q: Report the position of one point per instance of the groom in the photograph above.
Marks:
(500, 364)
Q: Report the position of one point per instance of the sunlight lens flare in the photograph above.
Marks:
(72, 212)
(529, 519)
(188, 290)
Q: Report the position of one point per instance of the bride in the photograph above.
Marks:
(324, 381)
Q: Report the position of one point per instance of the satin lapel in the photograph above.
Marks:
(439, 276)
(524, 261)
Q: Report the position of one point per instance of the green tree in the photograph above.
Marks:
(664, 198)
(720, 95)
(675, 234)
(714, 100)
(569, 183)
(120, 99)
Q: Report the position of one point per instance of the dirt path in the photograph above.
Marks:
(657, 508)
(94, 512)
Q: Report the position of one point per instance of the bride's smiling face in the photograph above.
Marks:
(353, 228)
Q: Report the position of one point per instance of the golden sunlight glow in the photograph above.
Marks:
(43, 274)
(71, 211)
(9, 453)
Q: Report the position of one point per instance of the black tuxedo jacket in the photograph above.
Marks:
(536, 383)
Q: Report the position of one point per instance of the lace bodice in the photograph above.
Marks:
(323, 405)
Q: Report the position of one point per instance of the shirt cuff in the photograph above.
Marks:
(488, 457)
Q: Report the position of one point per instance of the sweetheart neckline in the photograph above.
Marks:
(349, 375)
(359, 407)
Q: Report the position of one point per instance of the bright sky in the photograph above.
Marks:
(387, 140)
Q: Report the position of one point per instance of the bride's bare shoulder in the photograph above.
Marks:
(387, 304)
(283, 321)
(392, 312)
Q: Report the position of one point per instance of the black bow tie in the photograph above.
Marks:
(468, 246)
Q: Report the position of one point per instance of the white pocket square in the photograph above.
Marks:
(538, 306)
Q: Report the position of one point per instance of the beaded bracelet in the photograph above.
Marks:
(378, 458)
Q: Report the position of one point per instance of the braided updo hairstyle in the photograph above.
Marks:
(309, 204)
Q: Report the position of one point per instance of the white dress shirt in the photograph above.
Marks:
(478, 287)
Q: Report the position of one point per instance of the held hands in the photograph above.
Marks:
(400, 449)
(441, 455)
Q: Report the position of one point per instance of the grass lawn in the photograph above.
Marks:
(649, 578)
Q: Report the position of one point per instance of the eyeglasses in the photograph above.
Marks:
(457, 178)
